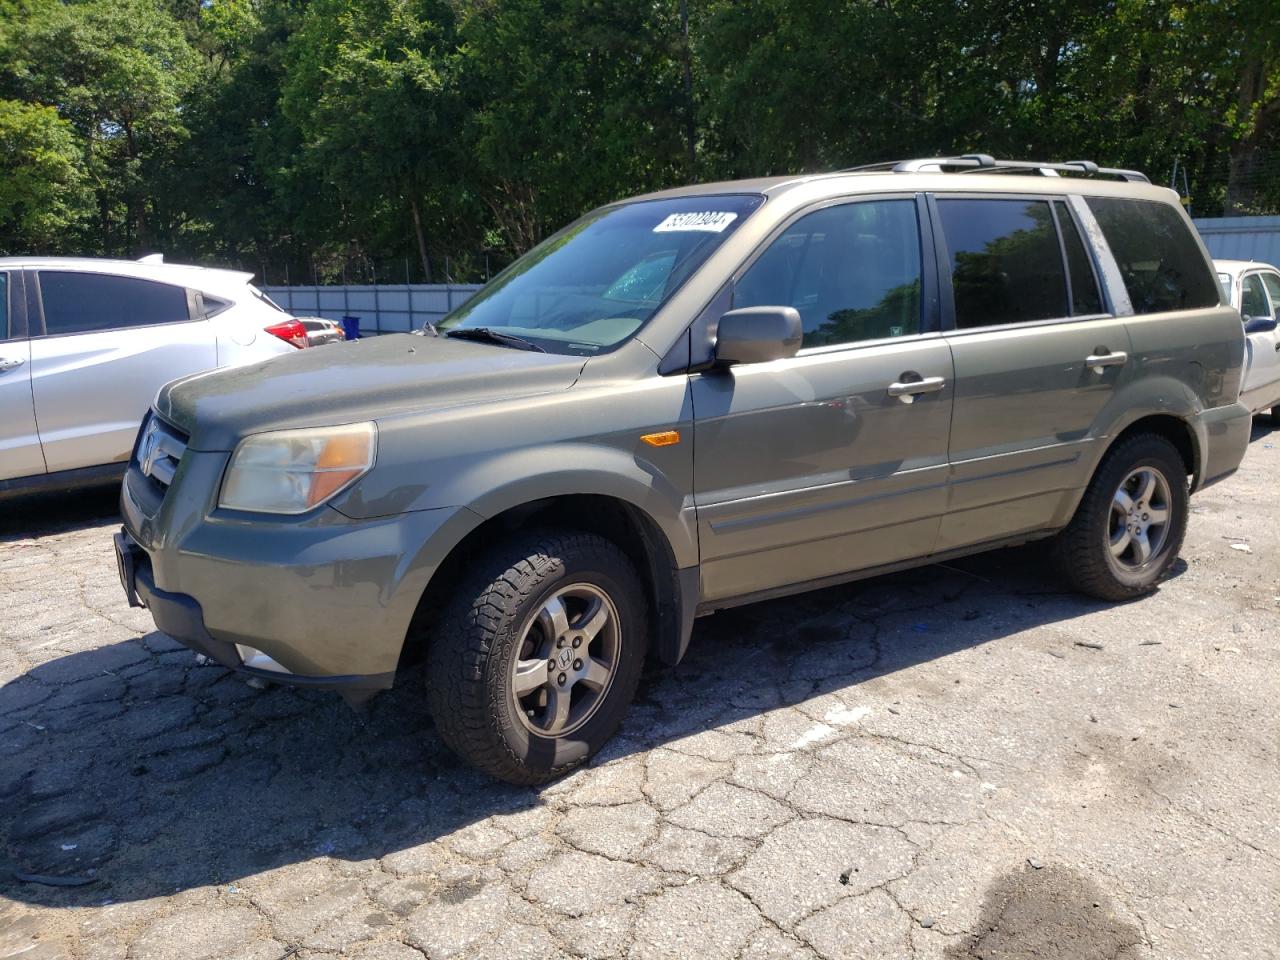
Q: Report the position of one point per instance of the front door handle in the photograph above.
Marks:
(1100, 360)
(7, 365)
(907, 390)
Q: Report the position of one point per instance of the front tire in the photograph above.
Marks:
(1130, 524)
(538, 657)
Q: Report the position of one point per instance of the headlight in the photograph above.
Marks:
(291, 471)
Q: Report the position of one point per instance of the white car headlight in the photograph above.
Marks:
(291, 471)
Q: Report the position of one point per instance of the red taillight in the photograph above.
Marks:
(290, 331)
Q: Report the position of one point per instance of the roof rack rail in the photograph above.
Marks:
(984, 163)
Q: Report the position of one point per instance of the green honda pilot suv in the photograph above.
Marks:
(687, 401)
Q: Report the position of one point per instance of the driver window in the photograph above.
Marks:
(852, 271)
(1272, 282)
(1254, 301)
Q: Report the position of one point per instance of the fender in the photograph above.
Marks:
(1150, 396)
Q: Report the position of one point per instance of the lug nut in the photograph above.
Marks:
(562, 679)
(551, 666)
(577, 664)
(560, 642)
(577, 641)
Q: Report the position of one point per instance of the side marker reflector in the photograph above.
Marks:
(666, 438)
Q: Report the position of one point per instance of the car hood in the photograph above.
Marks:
(350, 382)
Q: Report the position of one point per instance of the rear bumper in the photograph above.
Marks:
(1226, 439)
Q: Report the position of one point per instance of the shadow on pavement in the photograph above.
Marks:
(1263, 429)
(137, 772)
(42, 514)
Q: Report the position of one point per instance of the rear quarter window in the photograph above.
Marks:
(1159, 259)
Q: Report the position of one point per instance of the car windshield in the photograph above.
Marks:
(597, 282)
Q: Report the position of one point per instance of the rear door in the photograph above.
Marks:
(1037, 358)
(1260, 298)
(833, 460)
(105, 346)
(20, 454)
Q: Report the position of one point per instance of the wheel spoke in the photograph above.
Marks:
(558, 702)
(597, 675)
(1146, 486)
(530, 675)
(554, 619)
(1141, 547)
(593, 620)
(1122, 501)
(1120, 543)
(1158, 516)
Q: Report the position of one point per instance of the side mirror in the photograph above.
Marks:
(1259, 324)
(757, 335)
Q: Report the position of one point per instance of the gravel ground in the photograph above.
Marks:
(957, 762)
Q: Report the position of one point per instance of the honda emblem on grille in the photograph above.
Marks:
(148, 449)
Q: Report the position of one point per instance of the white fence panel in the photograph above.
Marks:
(385, 308)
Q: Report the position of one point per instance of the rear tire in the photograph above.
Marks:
(537, 659)
(1115, 547)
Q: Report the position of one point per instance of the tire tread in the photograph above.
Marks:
(1076, 552)
(458, 696)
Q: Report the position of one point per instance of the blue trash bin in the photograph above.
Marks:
(351, 328)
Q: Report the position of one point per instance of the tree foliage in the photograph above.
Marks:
(426, 138)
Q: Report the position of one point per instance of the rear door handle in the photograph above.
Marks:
(7, 365)
(906, 390)
(1099, 360)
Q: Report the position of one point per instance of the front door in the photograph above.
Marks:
(1261, 384)
(834, 460)
(19, 442)
(109, 344)
(1037, 358)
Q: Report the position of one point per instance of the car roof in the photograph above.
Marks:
(210, 278)
(1237, 267)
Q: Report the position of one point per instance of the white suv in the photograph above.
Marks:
(85, 344)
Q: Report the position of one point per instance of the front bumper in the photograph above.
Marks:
(180, 617)
(322, 599)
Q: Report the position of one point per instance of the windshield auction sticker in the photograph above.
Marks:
(710, 221)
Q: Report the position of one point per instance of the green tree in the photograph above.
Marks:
(117, 71)
(43, 194)
(368, 87)
(569, 104)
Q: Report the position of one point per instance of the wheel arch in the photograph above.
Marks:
(672, 590)
(1179, 431)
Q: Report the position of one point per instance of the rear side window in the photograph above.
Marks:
(1085, 298)
(1159, 259)
(1253, 302)
(87, 302)
(1006, 264)
(4, 306)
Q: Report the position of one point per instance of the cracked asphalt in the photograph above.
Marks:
(957, 762)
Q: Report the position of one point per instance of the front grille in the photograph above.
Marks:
(160, 450)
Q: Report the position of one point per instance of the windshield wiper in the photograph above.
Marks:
(487, 335)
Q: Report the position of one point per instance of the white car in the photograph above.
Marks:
(321, 331)
(1254, 289)
(85, 344)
